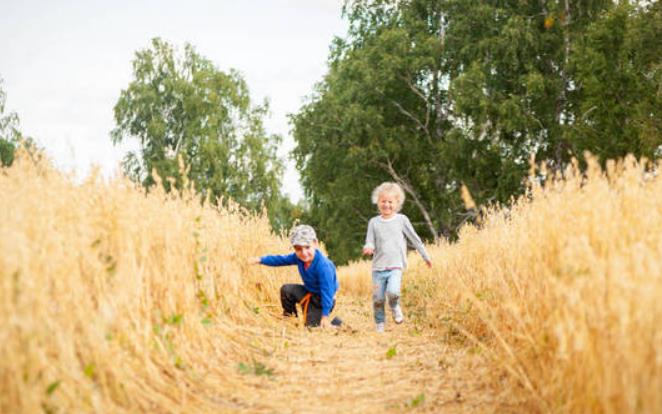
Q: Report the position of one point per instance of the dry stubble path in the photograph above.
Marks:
(356, 370)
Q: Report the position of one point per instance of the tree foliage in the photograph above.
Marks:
(617, 68)
(184, 107)
(11, 138)
(439, 94)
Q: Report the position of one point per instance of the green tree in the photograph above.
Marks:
(11, 137)
(618, 77)
(185, 107)
(439, 94)
(379, 114)
(510, 82)
(555, 79)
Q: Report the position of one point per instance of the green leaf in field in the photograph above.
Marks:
(256, 310)
(417, 401)
(256, 368)
(202, 297)
(48, 409)
(175, 319)
(391, 352)
(89, 370)
(243, 368)
(52, 387)
(475, 350)
(261, 369)
(111, 268)
(206, 321)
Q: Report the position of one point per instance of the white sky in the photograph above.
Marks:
(64, 63)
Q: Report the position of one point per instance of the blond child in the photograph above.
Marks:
(386, 242)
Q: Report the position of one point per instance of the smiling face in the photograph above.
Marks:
(305, 253)
(388, 204)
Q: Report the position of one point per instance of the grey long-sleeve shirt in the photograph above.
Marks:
(387, 238)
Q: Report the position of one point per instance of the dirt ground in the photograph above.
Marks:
(357, 370)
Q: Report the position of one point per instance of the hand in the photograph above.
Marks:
(253, 260)
(429, 263)
(368, 251)
(324, 322)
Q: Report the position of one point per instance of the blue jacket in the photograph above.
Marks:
(319, 278)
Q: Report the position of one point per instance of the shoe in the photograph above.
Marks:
(379, 327)
(397, 315)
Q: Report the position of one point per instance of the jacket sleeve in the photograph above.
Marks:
(370, 236)
(413, 238)
(279, 260)
(328, 287)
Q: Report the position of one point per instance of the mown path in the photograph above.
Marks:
(356, 370)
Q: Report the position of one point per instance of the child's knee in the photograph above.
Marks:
(392, 299)
(377, 293)
(287, 289)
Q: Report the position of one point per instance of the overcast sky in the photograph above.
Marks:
(64, 63)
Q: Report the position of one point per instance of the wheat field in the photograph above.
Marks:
(117, 301)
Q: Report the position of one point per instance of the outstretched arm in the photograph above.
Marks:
(277, 260)
(413, 238)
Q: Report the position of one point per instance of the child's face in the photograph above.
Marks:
(387, 204)
(305, 253)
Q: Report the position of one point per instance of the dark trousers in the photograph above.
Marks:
(292, 294)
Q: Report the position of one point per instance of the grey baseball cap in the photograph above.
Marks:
(302, 235)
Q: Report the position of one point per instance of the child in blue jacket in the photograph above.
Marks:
(320, 284)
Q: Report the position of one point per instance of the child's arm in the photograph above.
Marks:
(412, 236)
(369, 246)
(327, 281)
(275, 260)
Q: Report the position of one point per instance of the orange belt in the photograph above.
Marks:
(304, 305)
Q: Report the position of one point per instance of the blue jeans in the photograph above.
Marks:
(385, 285)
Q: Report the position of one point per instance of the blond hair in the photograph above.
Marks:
(391, 188)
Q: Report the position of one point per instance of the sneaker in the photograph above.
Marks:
(379, 327)
(397, 315)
